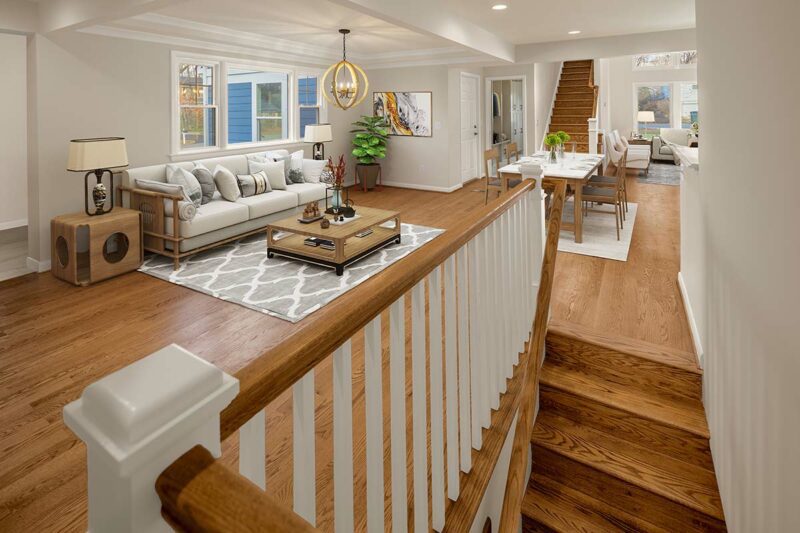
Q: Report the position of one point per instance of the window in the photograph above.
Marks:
(308, 99)
(688, 104)
(253, 104)
(658, 99)
(665, 60)
(257, 106)
(198, 110)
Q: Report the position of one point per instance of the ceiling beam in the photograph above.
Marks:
(60, 15)
(437, 18)
(618, 45)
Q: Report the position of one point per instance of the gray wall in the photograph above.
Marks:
(749, 74)
(13, 132)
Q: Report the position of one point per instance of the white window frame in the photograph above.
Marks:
(221, 66)
(320, 100)
(675, 62)
(176, 104)
(675, 104)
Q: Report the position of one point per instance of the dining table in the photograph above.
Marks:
(574, 168)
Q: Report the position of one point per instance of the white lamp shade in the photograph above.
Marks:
(96, 154)
(318, 133)
(646, 116)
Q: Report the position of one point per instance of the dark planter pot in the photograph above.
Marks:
(368, 174)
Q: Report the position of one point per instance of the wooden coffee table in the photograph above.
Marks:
(348, 247)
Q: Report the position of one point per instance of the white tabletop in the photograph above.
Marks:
(578, 166)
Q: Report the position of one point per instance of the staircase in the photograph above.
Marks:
(575, 101)
(621, 441)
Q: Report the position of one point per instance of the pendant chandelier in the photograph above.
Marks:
(344, 83)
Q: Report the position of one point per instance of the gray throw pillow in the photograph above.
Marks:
(184, 178)
(296, 175)
(253, 184)
(206, 179)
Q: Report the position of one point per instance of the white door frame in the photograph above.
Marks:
(478, 145)
(487, 116)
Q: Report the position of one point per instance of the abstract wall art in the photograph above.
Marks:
(408, 114)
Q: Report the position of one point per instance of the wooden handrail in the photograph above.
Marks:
(198, 493)
(516, 482)
(279, 367)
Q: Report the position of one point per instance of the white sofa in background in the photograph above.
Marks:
(661, 149)
(216, 222)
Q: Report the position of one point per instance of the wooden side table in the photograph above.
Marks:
(86, 249)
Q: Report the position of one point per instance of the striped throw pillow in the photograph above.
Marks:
(253, 184)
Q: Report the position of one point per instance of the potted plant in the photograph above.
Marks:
(564, 137)
(552, 141)
(369, 143)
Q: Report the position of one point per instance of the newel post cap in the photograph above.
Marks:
(132, 413)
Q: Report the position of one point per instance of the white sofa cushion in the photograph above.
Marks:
(308, 192)
(675, 136)
(312, 169)
(262, 205)
(214, 215)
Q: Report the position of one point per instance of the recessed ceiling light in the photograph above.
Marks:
(574, 32)
(499, 7)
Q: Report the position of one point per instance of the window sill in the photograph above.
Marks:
(244, 148)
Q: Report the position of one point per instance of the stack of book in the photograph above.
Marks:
(322, 243)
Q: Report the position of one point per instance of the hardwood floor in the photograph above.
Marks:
(55, 339)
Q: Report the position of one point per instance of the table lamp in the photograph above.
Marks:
(97, 156)
(645, 116)
(318, 134)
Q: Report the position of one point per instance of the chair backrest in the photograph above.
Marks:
(621, 170)
(512, 151)
(492, 154)
(611, 151)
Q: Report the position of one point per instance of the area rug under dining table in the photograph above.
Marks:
(240, 272)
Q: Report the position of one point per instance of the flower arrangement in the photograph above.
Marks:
(552, 140)
(338, 171)
(563, 136)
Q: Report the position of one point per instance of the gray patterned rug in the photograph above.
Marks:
(661, 173)
(240, 272)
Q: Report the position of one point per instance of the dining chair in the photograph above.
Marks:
(512, 151)
(492, 155)
(610, 181)
(608, 195)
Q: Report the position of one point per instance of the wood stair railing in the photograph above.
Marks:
(517, 479)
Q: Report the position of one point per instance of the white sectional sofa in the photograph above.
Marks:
(662, 150)
(216, 222)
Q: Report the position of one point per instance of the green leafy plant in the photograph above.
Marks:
(370, 139)
(563, 137)
(552, 139)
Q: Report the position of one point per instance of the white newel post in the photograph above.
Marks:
(592, 135)
(136, 422)
(537, 220)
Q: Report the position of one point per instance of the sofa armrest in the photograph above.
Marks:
(151, 205)
(152, 194)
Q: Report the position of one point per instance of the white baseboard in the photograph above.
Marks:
(38, 266)
(11, 224)
(687, 306)
(432, 188)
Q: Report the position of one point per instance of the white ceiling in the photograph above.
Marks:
(537, 21)
(311, 22)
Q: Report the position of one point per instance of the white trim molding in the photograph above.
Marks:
(37, 266)
(11, 224)
(687, 306)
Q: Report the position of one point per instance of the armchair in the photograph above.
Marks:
(638, 157)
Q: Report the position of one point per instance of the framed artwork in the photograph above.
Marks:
(408, 114)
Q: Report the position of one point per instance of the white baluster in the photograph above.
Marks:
(498, 304)
(419, 408)
(487, 384)
(373, 392)
(134, 429)
(397, 384)
(476, 369)
(451, 376)
(437, 406)
(464, 374)
(305, 480)
(252, 450)
(490, 323)
(343, 439)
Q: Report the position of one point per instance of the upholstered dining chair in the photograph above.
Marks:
(490, 156)
(608, 195)
(610, 181)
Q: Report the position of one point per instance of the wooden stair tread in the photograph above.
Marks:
(687, 414)
(670, 478)
(562, 508)
(645, 350)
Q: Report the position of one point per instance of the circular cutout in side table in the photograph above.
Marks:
(62, 251)
(116, 247)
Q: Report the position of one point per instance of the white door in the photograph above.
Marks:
(469, 128)
(516, 114)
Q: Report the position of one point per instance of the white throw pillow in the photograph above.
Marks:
(184, 178)
(226, 183)
(296, 160)
(274, 171)
(312, 169)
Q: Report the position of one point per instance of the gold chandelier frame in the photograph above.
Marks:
(345, 96)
